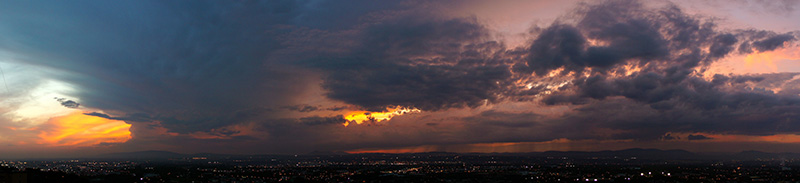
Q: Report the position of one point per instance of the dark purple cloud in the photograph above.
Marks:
(698, 137)
(68, 103)
(667, 94)
(416, 62)
(236, 73)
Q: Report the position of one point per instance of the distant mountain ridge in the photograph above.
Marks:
(765, 155)
(142, 155)
(635, 153)
(332, 153)
(626, 153)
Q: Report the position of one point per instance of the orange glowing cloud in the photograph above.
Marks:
(77, 129)
(367, 116)
(779, 60)
(770, 57)
(777, 138)
(712, 137)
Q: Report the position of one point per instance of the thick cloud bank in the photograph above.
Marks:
(286, 73)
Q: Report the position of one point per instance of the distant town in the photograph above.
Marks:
(632, 165)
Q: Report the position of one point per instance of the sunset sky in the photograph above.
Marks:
(290, 77)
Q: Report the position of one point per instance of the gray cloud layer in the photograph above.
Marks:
(207, 66)
(416, 62)
(667, 94)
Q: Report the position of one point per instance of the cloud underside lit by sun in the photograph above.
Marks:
(397, 76)
(77, 129)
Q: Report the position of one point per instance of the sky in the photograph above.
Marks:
(82, 78)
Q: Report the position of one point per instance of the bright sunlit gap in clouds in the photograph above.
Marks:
(36, 115)
(785, 59)
(482, 76)
(39, 104)
(360, 117)
(78, 129)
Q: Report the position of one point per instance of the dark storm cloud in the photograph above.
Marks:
(625, 31)
(416, 62)
(772, 42)
(174, 70)
(68, 103)
(191, 66)
(698, 137)
(557, 46)
(181, 124)
(667, 94)
(666, 38)
(309, 108)
(652, 88)
(626, 35)
(302, 108)
(757, 40)
(97, 114)
(652, 106)
(317, 120)
(741, 113)
(723, 44)
(722, 79)
(218, 69)
(138, 117)
(670, 137)
(337, 108)
(171, 61)
(438, 64)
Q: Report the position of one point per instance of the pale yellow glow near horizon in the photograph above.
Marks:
(37, 106)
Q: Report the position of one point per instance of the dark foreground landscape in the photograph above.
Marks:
(632, 165)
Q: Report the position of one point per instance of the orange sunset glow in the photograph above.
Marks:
(776, 138)
(366, 116)
(77, 129)
(769, 58)
(96, 79)
(779, 60)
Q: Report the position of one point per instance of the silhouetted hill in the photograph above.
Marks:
(327, 153)
(625, 154)
(636, 153)
(749, 155)
(142, 155)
